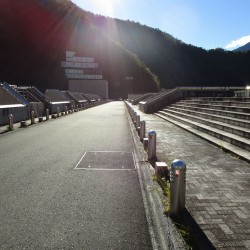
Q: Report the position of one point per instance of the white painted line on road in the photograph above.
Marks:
(123, 168)
(136, 165)
(80, 160)
(107, 169)
(109, 152)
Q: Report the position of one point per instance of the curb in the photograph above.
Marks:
(163, 233)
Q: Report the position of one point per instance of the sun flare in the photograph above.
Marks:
(106, 7)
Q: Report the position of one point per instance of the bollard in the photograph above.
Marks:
(40, 119)
(47, 114)
(177, 186)
(10, 121)
(58, 111)
(142, 130)
(80, 106)
(151, 145)
(137, 124)
(66, 110)
(77, 109)
(134, 117)
(32, 117)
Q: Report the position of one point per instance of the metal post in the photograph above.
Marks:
(10, 120)
(32, 117)
(134, 118)
(66, 110)
(177, 186)
(142, 130)
(151, 145)
(77, 109)
(137, 125)
(47, 114)
(58, 111)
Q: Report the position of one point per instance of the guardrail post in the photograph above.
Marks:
(32, 118)
(47, 114)
(10, 121)
(151, 145)
(142, 130)
(177, 186)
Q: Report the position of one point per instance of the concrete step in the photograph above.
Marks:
(221, 103)
(230, 99)
(236, 115)
(225, 119)
(243, 154)
(244, 132)
(218, 107)
(236, 140)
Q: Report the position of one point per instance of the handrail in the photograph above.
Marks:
(165, 97)
(15, 93)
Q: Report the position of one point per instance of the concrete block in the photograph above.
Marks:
(145, 143)
(161, 169)
(23, 124)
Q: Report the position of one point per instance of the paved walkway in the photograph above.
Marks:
(218, 185)
(71, 183)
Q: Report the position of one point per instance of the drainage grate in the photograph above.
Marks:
(106, 160)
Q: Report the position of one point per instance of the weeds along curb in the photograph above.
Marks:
(162, 188)
(164, 234)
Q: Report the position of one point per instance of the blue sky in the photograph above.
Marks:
(208, 24)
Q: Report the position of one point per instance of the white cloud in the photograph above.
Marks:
(238, 43)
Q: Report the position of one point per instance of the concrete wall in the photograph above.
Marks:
(6, 98)
(97, 87)
(19, 114)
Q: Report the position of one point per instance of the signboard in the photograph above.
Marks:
(71, 58)
(80, 76)
(79, 65)
(80, 59)
(73, 71)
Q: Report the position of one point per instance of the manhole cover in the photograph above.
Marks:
(106, 160)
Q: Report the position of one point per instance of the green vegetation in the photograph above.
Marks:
(36, 33)
(180, 225)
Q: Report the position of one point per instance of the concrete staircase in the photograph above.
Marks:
(224, 122)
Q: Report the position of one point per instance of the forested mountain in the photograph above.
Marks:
(36, 33)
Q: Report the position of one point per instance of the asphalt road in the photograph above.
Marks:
(71, 183)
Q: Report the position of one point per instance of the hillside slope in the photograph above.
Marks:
(36, 33)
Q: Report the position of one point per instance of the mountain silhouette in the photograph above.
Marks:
(133, 58)
(243, 48)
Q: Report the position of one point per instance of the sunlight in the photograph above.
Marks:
(106, 7)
